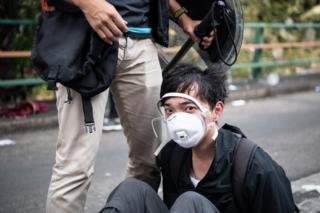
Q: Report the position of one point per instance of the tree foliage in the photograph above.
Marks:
(276, 11)
(16, 37)
(20, 37)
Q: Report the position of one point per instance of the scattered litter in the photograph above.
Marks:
(317, 88)
(273, 79)
(238, 103)
(107, 174)
(232, 87)
(7, 142)
(311, 187)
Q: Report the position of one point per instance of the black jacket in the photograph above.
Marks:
(266, 187)
(159, 18)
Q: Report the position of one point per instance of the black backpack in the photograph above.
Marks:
(66, 50)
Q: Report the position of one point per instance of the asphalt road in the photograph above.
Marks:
(287, 127)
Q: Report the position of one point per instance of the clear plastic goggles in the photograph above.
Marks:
(159, 125)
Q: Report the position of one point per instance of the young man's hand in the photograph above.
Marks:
(103, 18)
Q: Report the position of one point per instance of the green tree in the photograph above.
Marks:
(276, 11)
(16, 37)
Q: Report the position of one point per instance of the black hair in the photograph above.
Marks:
(210, 83)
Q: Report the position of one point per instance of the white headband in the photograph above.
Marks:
(182, 95)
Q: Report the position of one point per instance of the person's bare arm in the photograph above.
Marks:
(189, 24)
(103, 18)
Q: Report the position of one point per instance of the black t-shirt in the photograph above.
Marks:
(136, 13)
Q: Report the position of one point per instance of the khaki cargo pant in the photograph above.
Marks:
(135, 89)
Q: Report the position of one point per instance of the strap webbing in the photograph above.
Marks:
(243, 152)
(52, 77)
(88, 115)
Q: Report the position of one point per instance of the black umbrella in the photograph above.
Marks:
(225, 17)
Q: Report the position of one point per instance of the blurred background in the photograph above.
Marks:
(274, 90)
(280, 37)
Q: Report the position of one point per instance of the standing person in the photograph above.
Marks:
(135, 87)
(197, 164)
(133, 24)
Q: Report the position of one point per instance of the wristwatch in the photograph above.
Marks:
(179, 13)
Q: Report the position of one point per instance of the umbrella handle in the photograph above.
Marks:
(183, 50)
(203, 29)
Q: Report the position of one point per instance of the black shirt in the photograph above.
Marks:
(136, 13)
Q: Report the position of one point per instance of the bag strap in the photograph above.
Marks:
(244, 151)
(63, 5)
(52, 77)
(234, 129)
(88, 115)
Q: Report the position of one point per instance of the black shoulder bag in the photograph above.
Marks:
(67, 50)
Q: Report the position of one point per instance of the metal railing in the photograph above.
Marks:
(256, 65)
(18, 54)
(258, 45)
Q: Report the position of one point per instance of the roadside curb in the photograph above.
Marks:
(246, 90)
(306, 193)
(250, 89)
(9, 126)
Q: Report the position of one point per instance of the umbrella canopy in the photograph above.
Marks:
(226, 18)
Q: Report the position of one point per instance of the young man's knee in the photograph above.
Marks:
(193, 202)
(190, 196)
(129, 191)
(131, 184)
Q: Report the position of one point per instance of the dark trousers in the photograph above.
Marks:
(135, 196)
(113, 111)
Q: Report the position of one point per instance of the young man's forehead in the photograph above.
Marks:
(177, 100)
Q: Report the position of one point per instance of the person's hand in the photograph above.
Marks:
(103, 18)
(188, 26)
(207, 40)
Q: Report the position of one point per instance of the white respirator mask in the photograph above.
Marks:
(186, 129)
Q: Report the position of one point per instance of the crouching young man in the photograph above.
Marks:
(197, 165)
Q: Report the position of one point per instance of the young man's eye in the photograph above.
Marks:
(167, 111)
(190, 109)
